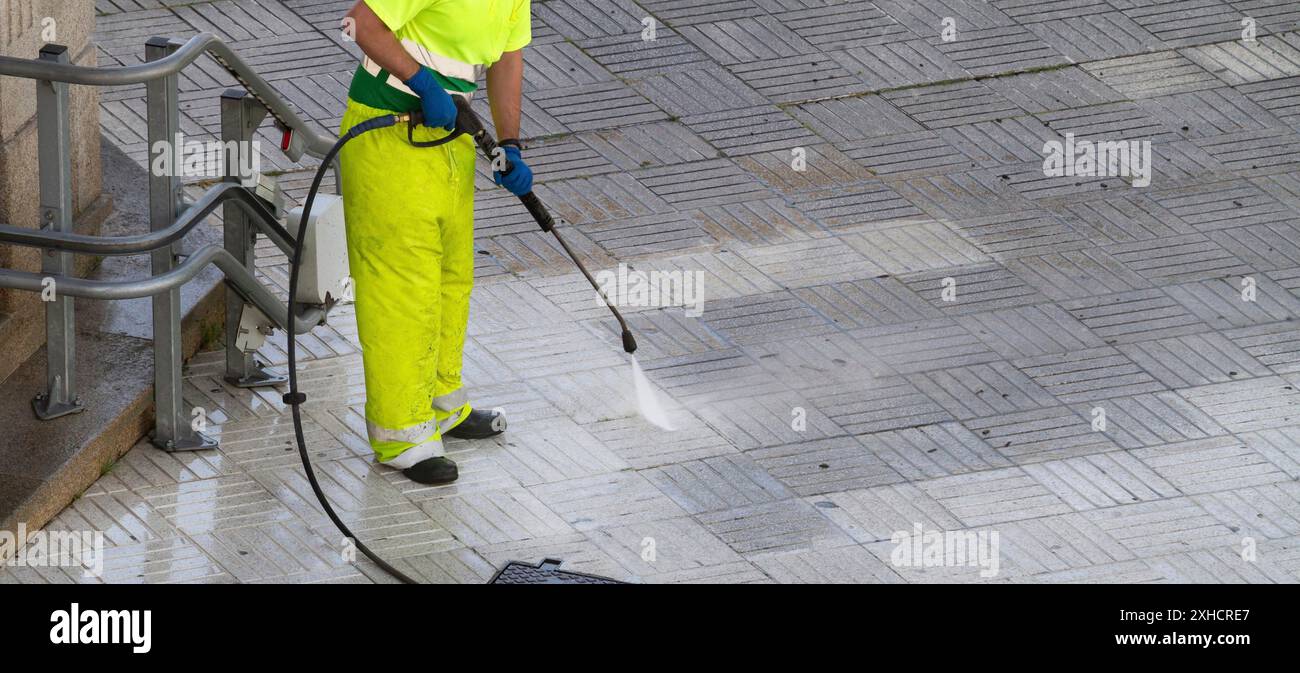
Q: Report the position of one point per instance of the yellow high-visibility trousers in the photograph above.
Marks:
(410, 228)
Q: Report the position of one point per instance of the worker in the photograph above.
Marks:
(410, 213)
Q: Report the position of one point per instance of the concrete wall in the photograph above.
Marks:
(26, 25)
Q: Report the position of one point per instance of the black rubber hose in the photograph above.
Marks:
(294, 397)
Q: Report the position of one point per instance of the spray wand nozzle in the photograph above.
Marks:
(468, 123)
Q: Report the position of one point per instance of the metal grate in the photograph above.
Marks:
(546, 572)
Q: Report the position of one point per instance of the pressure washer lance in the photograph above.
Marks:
(466, 123)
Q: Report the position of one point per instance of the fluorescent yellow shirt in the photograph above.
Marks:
(449, 36)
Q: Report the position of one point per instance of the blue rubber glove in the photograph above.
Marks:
(439, 109)
(520, 179)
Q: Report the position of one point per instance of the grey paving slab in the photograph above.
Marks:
(1044, 434)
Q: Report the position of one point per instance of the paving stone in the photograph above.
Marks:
(919, 153)
(740, 572)
(1194, 360)
(875, 514)
(964, 195)
(975, 288)
(709, 377)
(1280, 97)
(999, 50)
(786, 263)
(822, 168)
(1221, 566)
(631, 56)
(1188, 22)
(763, 318)
(1126, 219)
(1102, 480)
(925, 345)
(751, 131)
(912, 248)
(945, 105)
(1088, 375)
(1246, 406)
(890, 404)
(1280, 445)
(811, 362)
(554, 450)
(1178, 259)
(1273, 345)
(1221, 304)
(607, 500)
(993, 497)
(1031, 11)
(596, 106)
(786, 525)
(580, 19)
(1211, 465)
(666, 546)
(490, 518)
(1254, 152)
(717, 483)
(647, 145)
(847, 565)
(931, 451)
(757, 223)
(631, 440)
(1084, 36)
(1030, 331)
(1151, 420)
(768, 420)
(843, 25)
(795, 79)
(1270, 57)
(687, 12)
(1002, 142)
(747, 40)
(868, 303)
(698, 91)
(702, 183)
(1039, 435)
(927, 18)
(898, 65)
(1161, 527)
(825, 466)
(864, 206)
(1134, 316)
(1058, 543)
(1075, 274)
(1150, 75)
(842, 120)
(1265, 511)
(1263, 246)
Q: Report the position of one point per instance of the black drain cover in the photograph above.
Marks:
(546, 572)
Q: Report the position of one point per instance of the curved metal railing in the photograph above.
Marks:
(245, 214)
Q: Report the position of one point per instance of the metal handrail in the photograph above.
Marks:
(245, 214)
(241, 278)
(142, 243)
(203, 43)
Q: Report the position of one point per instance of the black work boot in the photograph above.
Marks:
(481, 424)
(433, 471)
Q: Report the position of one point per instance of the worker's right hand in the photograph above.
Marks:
(439, 109)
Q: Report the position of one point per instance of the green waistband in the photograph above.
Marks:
(374, 91)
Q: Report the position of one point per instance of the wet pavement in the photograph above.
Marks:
(904, 324)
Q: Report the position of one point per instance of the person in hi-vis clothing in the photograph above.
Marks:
(410, 213)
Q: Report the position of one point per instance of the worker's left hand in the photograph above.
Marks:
(520, 178)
